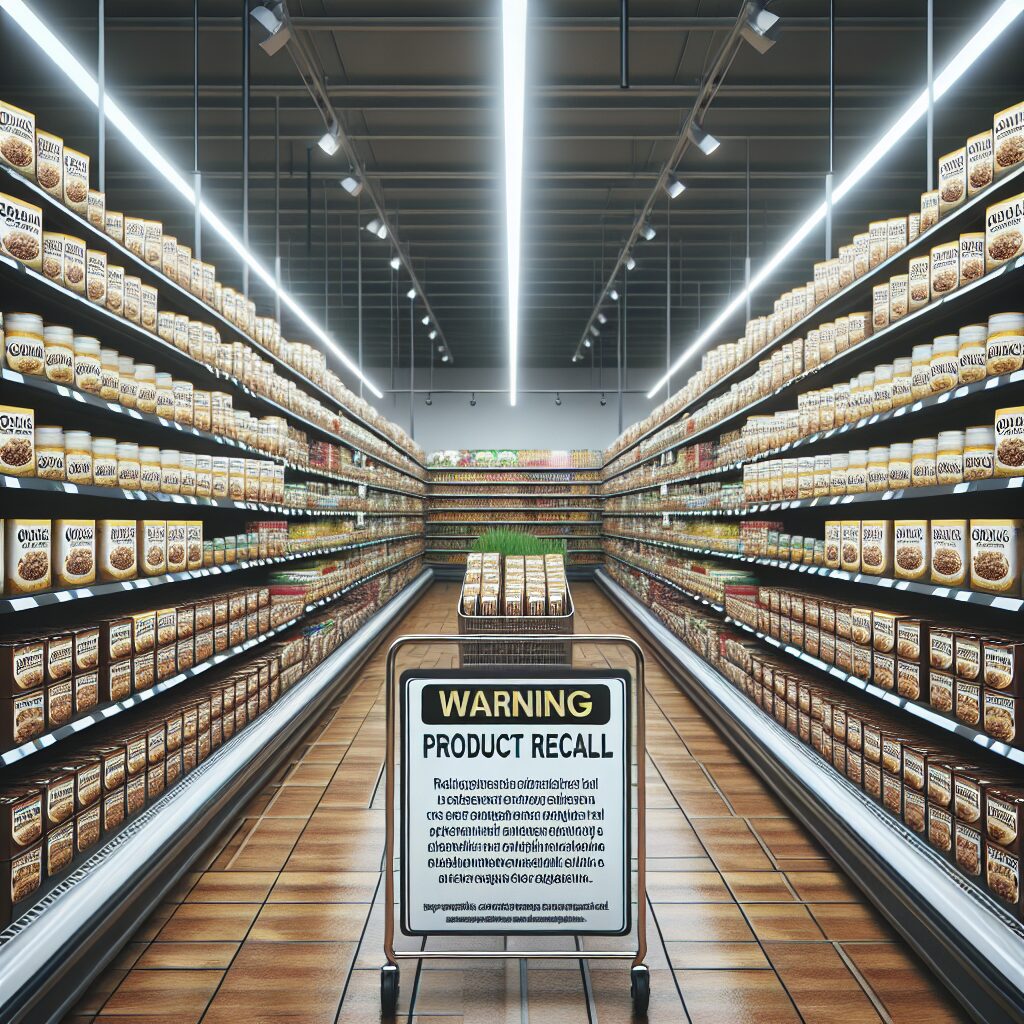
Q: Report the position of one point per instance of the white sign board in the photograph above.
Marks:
(515, 802)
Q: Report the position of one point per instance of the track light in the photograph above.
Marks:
(444, 358)
(558, 398)
(613, 295)
(432, 335)
(472, 400)
(704, 141)
(330, 141)
(273, 19)
(760, 28)
(647, 231)
(440, 348)
(594, 331)
(674, 187)
(396, 263)
(630, 263)
(586, 343)
(575, 357)
(411, 293)
(604, 401)
(378, 228)
(352, 185)
(602, 319)
(425, 321)
(430, 400)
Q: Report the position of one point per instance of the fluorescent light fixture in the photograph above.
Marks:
(601, 318)
(614, 295)
(411, 293)
(647, 231)
(352, 185)
(272, 18)
(513, 50)
(425, 321)
(958, 66)
(330, 141)
(704, 141)
(760, 28)
(630, 263)
(39, 33)
(432, 335)
(396, 263)
(674, 187)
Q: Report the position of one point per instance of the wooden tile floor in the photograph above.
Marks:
(748, 920)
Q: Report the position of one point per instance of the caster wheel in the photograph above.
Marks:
(388, 990)
(640, 989)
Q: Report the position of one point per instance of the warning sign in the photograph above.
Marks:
(515, 802)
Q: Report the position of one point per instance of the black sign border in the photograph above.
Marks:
(514, 674)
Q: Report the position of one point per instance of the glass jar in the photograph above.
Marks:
(149, 468)
(204, 476)
(921, 372)
(1004, 347)
(922, 462)
(128, 388)
(902, 381)
(49, 453)
(145, 387)
(878, 468)
(837, 475)
(949, 457)
(165, 396)
(24, 343)
(78, 456)
(900, 455)
(857, 471)
(882, 398)
(220, 477)
(110, 375)
(979, 452)
(87, 364)
(129, 469)
(104, 462)
(944, 365)
(188, 474)
(59, 353)
(183, 402)
(971, 353)
(170, 472)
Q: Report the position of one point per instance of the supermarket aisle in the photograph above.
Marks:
(749, 921)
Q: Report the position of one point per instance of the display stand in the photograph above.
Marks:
(517, 740)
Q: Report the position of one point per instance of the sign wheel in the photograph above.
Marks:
(640, 989)
(388, 990)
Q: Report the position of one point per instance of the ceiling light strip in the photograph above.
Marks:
(37, 30)
(978, 43)
(513, 44)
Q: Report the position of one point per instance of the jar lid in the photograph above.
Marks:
(169, 455)
(921, 350)
(946, 341)
(980, 434)
(951, 438)
(57, 332)
(82, 437)
(86, 343)
(127, 448)
(126, 364)
(49, 433)
(899, 448)
(924, 443)
(149, 451)
(109, 355)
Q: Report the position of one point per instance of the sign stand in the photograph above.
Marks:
(515, 790)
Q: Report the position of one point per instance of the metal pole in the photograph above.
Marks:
(326, 314)
(668, 293)
(831, 128)
(359, 286)
(412, 368)
(618, 357)
(625, 335)
(101, 114)
(931, 95)
(746, 261)
(197, 181)
(246, 84)
(309, 200)
(277, 207)
(623, 44)
(391, 329)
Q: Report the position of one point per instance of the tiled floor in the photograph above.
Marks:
(748, 920)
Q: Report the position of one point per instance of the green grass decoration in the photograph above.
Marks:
(518, 542)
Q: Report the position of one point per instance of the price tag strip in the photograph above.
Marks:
(515, 804)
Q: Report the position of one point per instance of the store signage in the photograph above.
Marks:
(515, 802)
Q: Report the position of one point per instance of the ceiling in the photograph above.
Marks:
(418, 88)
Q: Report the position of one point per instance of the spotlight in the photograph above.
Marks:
(411, 293)
(444, 358)
(425, 321)
(604, 401)
(440, 348)
(352, 185)
(472, 400)
(760, 28)
(613, 295)
(704, 141)
(395, 263)
(575, 356)
(674, 187)
(430, 400)
(586, 343)
(432, 335)
(602, 319)
(594, 331)
(378, 228)
(558, 398)
(647, 231)
(330, 141)
(630, 263)
(272, 18)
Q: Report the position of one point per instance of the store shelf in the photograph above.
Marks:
(182, 300)
(28, 602)
(960, 932)
(956, 595)
(921, 322)
(514, 522)
(50, 954)
(512, 469)
(677, 587)
(503, 497)
(950, 225)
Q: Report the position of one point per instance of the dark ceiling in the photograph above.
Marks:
(418, 86)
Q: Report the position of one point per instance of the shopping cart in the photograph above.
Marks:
(533, 643)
